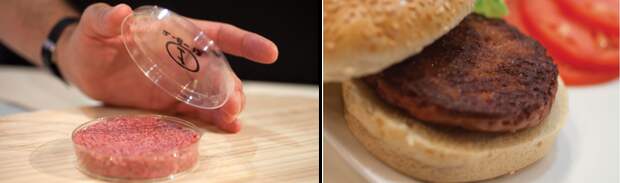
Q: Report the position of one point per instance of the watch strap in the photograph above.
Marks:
(49, 46)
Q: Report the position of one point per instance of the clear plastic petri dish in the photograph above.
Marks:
(178, 56)
(138, 148)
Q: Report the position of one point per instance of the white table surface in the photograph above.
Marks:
(35, 150)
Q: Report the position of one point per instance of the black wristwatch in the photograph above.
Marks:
(49, 46)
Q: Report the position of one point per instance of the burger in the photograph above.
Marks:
(440, 93)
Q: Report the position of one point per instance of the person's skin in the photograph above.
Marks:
(91, 56)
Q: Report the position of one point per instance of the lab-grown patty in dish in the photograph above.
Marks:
(136, 147)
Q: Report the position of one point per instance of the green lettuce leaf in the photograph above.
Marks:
(491, 8)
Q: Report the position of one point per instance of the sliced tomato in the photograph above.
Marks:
(567, 40)
(514, 16)
(598, 14)
(576, 77)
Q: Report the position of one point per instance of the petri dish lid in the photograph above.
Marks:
(178, 57)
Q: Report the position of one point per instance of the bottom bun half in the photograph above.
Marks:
(442, 154)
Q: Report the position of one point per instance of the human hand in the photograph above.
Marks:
(92, 57)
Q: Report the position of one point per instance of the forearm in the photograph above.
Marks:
(24, 25)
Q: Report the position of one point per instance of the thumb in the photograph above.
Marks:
(102, 20)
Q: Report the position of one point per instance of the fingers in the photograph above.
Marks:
(239, 42)
(225, 117)
(229, 112)
(232, 127)
(101, 20)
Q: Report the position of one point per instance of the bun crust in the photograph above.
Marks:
(441, 154)
(364, 37)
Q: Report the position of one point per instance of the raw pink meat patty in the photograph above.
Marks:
(136, 147)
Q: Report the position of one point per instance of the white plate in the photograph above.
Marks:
(586, 150)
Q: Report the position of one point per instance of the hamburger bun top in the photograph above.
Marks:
(364, 37)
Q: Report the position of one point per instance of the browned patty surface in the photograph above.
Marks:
(483, 75)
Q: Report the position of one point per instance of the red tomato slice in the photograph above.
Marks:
(598, 14)
(576, 77)
(514, 16)
(568, 41)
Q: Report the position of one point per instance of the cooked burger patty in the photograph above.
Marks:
(483, 75)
